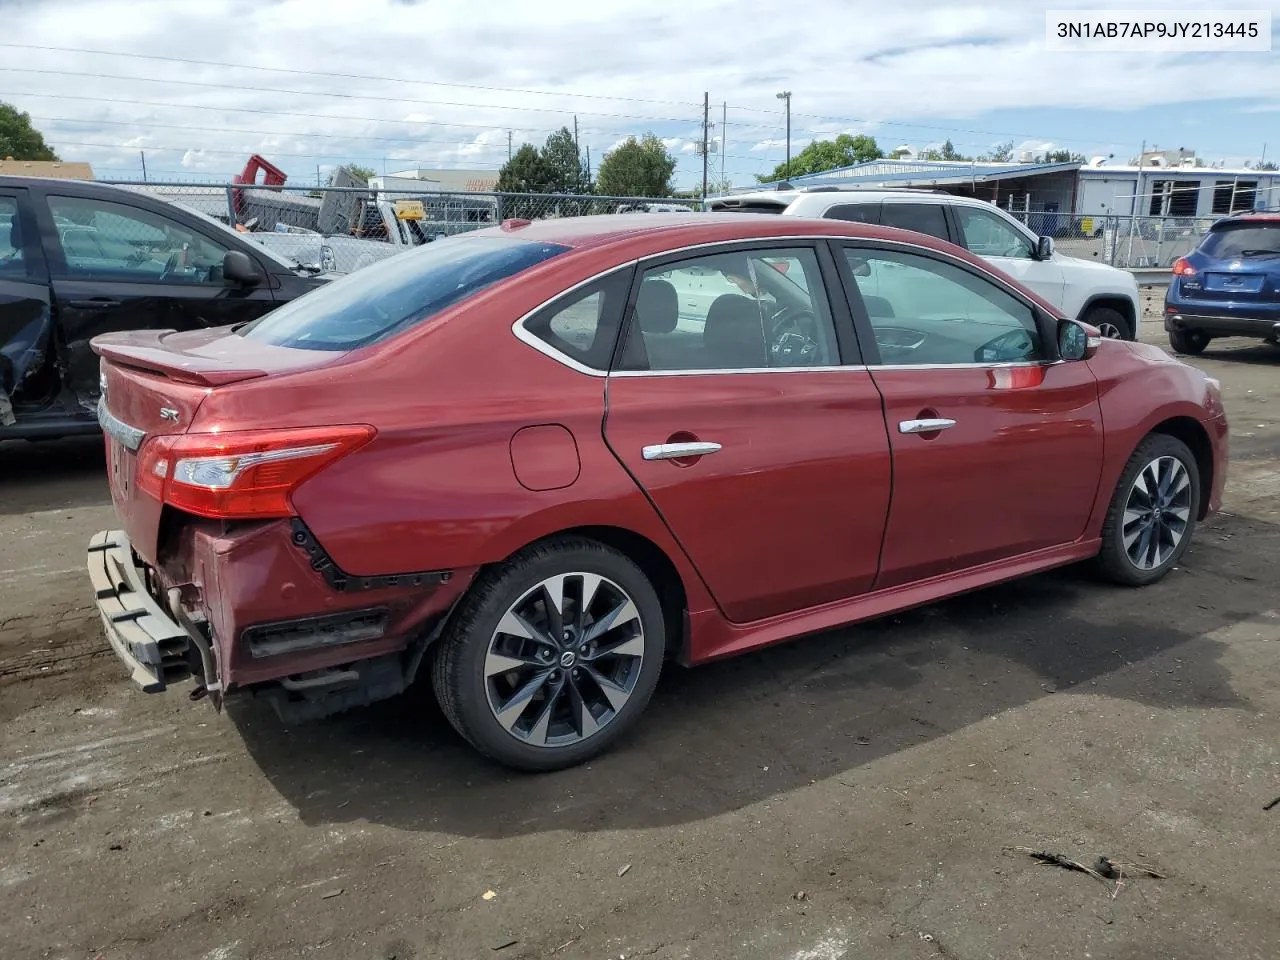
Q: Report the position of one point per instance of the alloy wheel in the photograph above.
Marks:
(1157, 512)
(564, 659)
(1110, 330)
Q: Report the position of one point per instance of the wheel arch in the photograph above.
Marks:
(654, 563)
(1121, 304)
(1192, 433)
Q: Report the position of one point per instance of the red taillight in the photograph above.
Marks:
(1181, 268)
(241, 474)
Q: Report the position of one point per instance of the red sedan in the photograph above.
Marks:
(541, 459)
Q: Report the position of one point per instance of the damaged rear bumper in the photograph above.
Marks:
(149, 642)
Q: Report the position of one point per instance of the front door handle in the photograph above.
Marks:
(925, 426)
(97, 303)
(678, 451)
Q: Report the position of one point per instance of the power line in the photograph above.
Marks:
(265, 133)
(240, 153)
(330, 94)
(293, 113)
(347, 76)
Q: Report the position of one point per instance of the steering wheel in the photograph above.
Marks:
(793, 335)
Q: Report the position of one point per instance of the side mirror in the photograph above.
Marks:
(1044, 248)
(1077, 341)
(238, 268)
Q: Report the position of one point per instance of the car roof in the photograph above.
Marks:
(679, 229)
(834, 192)
(1246, 218)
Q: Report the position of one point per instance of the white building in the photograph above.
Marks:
(452, 181)
(1174, 190)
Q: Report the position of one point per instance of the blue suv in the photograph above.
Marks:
(1228, 286)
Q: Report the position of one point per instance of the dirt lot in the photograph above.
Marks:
(854, 795)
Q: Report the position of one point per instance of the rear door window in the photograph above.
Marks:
(1242, 240)
(930, 218)
(394, 294)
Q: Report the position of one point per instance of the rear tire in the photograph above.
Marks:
(552, 655)
(1152, 514)
(1189, 342)
(1111, 322)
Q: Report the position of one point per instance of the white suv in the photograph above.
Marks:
(1096, 293)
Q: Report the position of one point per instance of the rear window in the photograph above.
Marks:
(394, 294)
(1242, 240)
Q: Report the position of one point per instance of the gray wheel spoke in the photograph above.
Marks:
(590, 587)
(515, 625)
(615, 694)
(553, 598)
(627, 647)
(582, 716)
(495, 663)
(514, 708)
(538, 733)
(624, 612)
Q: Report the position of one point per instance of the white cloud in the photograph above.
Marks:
(623, 68)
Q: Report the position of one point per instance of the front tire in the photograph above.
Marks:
(1111, 322)
(1152, 514)
(552, 656)
(1189, 342)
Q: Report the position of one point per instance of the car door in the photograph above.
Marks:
(765, 455)
(26, 327)
(116, 265)
(997, 447)
(989, 235)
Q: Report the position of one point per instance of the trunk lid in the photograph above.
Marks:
(153, 383)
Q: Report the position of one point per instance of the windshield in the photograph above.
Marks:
(394, 294)
(1242, 240)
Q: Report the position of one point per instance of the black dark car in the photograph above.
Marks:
(78, 259)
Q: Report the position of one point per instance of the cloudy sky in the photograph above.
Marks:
(393, 84)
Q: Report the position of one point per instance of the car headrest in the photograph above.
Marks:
(733, 335)
(877, 306)
(657, 306)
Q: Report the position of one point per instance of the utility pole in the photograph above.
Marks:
(143, 155)
(786, 95)
(723, 140)
(1137, 193)
(508, 146)
(577, 156)
(706, 122)
(588, 163)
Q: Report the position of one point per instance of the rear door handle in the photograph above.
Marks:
(678, 451)
(97, 303)
(925, 426)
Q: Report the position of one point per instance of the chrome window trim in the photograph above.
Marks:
(525, 336)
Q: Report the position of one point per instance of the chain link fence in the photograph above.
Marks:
(342, 229)
(1131, 243)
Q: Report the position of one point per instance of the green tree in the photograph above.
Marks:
(1060, 156)
(948, 152)
(361, 173)
(526, 172)
(20, 140)
(1000, 153)
(636, 168)
(1265, 165)
(560, 153)
(821, 155)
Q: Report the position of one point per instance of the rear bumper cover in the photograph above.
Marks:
(141, 632)
(1238, 321)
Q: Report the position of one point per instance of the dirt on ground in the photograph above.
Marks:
(870, 792)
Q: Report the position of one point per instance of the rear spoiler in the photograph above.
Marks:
(143, 350)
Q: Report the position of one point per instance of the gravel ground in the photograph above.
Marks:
(862, 793)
